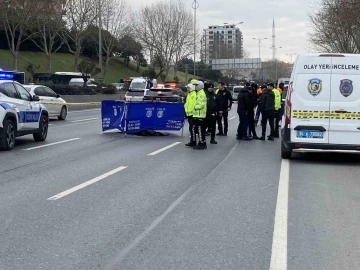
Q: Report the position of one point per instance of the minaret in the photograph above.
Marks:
(273, 41)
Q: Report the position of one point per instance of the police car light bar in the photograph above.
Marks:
(6, 76)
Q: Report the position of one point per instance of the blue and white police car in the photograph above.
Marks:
(20, 114)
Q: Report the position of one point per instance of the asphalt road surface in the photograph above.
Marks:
(87, 200)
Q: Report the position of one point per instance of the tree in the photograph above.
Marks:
(116, 15)
(79, 15)
(336, 26)
(15, 17)
(87, 68)
(160, 30)
(48, 25)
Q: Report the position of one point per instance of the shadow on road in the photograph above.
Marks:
(326, 158)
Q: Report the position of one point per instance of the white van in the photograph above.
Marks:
(322, 107)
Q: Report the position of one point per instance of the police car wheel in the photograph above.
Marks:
(41, 135)
(7, 140)
(63, 113)
(285, 152)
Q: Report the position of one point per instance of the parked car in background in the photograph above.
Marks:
(118, 86)
(162, 94)
(55, 105)
(80, 82)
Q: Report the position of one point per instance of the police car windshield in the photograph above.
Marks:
(138, 85)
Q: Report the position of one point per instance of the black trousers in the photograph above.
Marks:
(211, 125)
(268, 116)
(251, 117)
(200, 126)
(191, 128)
(277, 120)
(226, 123)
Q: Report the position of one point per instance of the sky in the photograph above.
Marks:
(291, 22)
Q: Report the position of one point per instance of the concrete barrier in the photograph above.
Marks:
(89, 98)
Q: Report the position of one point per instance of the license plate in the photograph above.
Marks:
(309, 134)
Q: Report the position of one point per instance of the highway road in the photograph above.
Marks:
(87, 200)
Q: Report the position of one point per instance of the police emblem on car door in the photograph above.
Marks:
(346, 87)
(314, 87)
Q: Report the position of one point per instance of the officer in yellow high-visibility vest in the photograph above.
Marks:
(200, 110)
(277, 109)
(189, 111)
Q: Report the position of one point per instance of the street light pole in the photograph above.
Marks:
(195, 6)
(259, 41)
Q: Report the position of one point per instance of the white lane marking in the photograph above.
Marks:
(163, 149)
(232, 118)
(279, 244)
(84, 120)
(87, 183)
(114, 262)
(83, 111)
(50, 144)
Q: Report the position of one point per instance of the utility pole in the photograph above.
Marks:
(100, 43)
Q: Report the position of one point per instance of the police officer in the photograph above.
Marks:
(277, 95)
(225, 103)
(199, 115)
(245, 104)
(189, 112)
(212, 111)
(267, 108)
(251, 115)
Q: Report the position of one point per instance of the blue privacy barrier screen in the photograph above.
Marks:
(140, 116)
(113, 115)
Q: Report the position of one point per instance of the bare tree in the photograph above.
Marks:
(336, 26)
(48, 24)
(15, 17)
(183, 23)
(159, 29)
(79, 15)
(116, 16)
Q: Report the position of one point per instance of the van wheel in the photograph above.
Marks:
(285, 152)
(63, 113)
(41, 135)
(7, 138)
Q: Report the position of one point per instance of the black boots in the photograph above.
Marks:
(200, 146)
(191, 144)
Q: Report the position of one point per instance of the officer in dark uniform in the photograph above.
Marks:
(267, 108)
(212, 110)
(225, 102)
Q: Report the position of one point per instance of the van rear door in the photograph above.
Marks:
(345, 100)
(310, 99)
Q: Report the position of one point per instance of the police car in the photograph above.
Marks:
(20, 114)
(322, 107)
